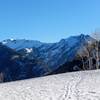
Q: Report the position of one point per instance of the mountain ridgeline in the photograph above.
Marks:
(23, 59)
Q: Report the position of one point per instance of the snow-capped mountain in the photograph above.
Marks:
(61, 51)
(21, 43)
(45, 58)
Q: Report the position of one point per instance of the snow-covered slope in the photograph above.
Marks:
(68, 86)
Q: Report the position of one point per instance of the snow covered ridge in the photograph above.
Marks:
(21, 43)
(68, 86)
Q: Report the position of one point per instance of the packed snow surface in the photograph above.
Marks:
(68, 86)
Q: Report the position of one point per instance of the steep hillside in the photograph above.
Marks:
(13, 66)
(28, 58)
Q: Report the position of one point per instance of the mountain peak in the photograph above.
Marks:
(21, 43)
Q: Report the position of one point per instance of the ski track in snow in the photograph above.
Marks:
(68, 86)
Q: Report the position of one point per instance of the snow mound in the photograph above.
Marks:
(68, 86)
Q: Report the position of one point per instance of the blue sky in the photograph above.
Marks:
(48, 20)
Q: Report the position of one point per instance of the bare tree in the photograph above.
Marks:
(82, 59)
(96, 35)
(86, 52)
(1, 77)
(91, 51)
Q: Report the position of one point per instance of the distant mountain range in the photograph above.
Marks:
(22, 59)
